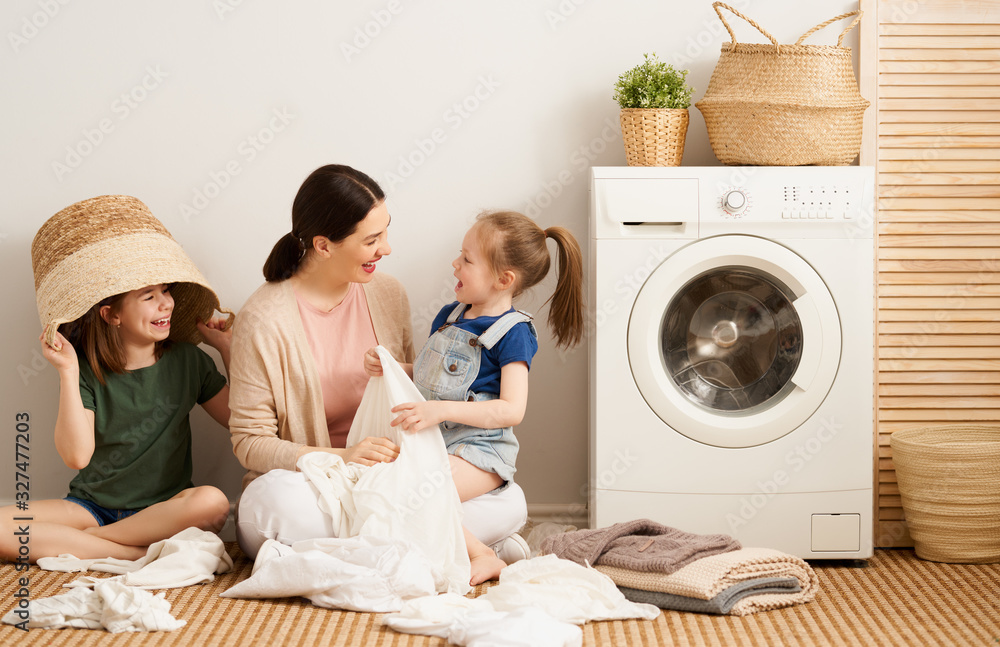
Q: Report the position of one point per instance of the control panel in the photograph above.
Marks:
(698, 202)
(820, 202)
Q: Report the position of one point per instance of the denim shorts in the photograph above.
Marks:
(491, 450)
(103, 515)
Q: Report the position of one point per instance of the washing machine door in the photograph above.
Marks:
(734, 341)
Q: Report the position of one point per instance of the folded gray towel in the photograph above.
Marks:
(640, 545)
(722, 603)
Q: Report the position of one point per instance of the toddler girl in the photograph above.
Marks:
(474, 368)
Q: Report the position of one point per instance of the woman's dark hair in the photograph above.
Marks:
(331, 202)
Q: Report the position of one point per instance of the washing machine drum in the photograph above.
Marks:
(734, 341)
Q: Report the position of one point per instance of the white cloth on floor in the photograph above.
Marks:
(109, 605)
(434, 615)
(370, 574)
(474, 621)
(531, 605)
(526, 627)
(192, 556)
(565, 590)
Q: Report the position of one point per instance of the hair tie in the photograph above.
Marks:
(300, 242)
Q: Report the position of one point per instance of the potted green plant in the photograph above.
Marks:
(654, 99)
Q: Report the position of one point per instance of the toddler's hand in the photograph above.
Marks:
(416, 416)
(215, 333)
(61, 356)
(373, 365)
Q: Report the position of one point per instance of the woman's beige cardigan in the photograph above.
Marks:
(275, 397)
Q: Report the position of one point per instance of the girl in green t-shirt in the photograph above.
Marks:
(125, 392)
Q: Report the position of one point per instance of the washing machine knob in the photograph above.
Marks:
(734, 201)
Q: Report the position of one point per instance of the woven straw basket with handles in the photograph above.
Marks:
(108, 245)
(784, 105)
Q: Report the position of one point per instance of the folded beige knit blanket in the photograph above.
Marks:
(707, 577)
(640, 545)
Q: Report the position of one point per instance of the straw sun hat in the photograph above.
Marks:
(108, 245)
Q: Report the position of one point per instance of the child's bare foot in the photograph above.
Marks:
(485, 566)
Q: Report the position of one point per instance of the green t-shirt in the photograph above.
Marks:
(142, 435)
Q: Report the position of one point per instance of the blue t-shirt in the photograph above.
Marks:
(518, 345)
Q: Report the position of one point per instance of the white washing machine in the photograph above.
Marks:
(732, 353)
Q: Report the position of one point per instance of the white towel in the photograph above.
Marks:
(538, 602)
(565, 590)
(368, 574)
(109, 605)
(474, 622)
(526, 627)
(192, 556)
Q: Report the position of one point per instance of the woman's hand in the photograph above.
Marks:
(371, 450)
(373, 365)
(415, 416)
(61, 356)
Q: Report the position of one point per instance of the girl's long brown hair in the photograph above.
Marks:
(513, 241)
(100, 342)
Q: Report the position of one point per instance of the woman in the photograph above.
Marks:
(297, 367)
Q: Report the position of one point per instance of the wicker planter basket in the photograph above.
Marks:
(949, 481)
(654, 136)
(783, 105)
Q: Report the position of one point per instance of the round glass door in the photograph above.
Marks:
(734, 341)
(731, 340)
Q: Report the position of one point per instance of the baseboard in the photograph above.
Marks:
(567, 514)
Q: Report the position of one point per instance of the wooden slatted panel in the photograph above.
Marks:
(934, 69)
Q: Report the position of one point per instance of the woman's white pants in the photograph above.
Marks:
(283, 506)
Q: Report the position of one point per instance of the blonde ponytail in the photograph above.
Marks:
(513, 241)
(566, 311)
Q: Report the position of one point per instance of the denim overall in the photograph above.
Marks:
(446, 367)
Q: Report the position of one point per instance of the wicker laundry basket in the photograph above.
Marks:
(949, 481)
(654, 136)
(784, 105)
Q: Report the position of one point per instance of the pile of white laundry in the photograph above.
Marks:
(395, 552)
(538, 601)
(392, 524)
(123, 603)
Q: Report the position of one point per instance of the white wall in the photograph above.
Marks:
(214, 112)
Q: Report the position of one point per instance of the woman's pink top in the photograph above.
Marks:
(338, 340)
